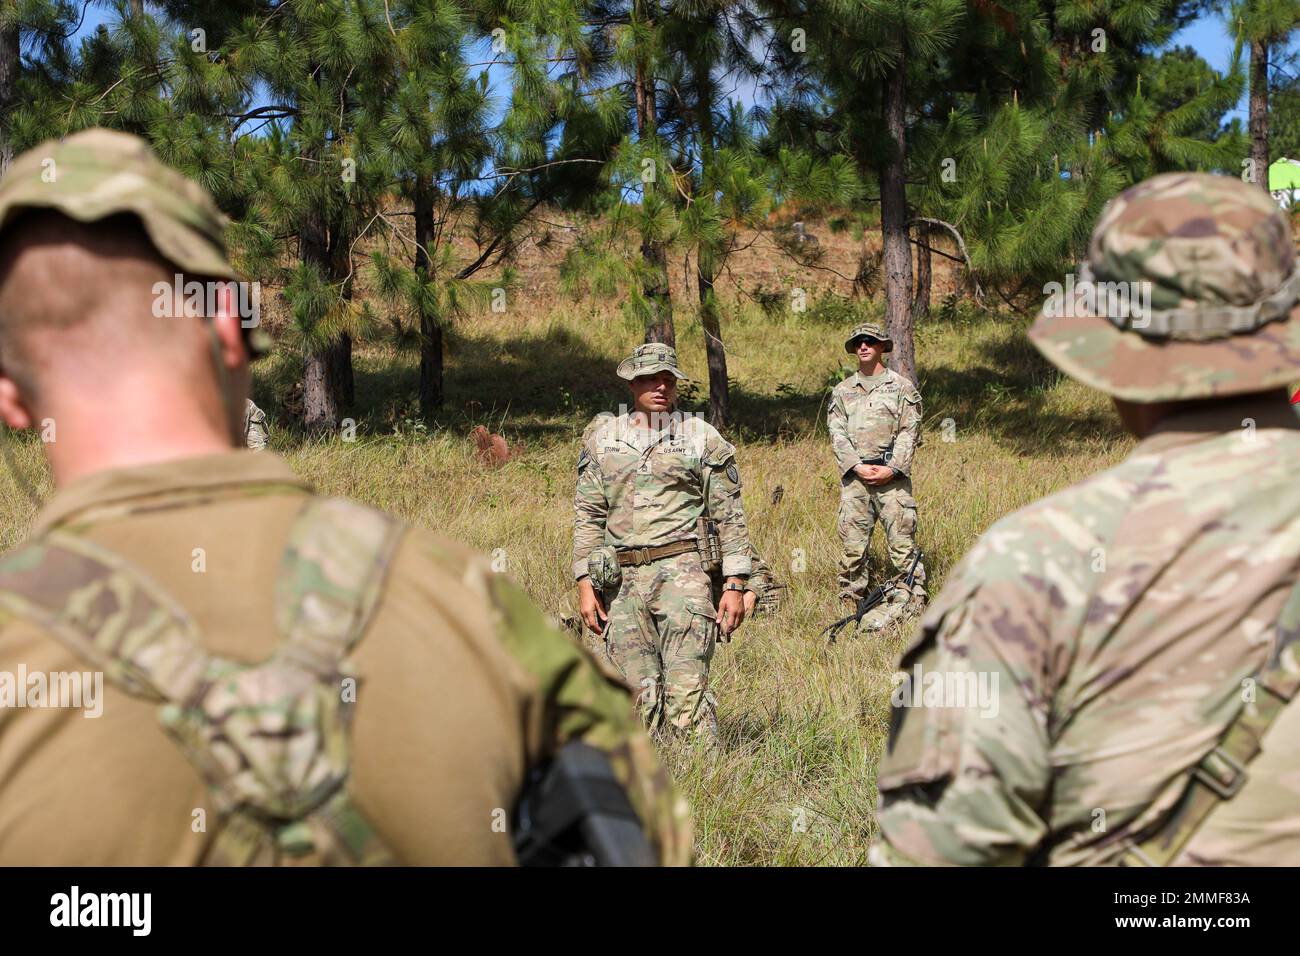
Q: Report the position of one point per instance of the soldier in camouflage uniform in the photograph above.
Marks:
(256, 431)
(645, 478)
(1104, 678)
(287, 678)
(875, 425)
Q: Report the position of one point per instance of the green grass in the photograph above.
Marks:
(803, 726)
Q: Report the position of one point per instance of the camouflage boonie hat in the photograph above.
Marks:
(99, 173)
(868, 330)
(1189, 291)
(649, 359)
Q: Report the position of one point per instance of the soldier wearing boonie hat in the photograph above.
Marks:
(227, 609)
(1135, 632)
(648, 481)
(874, 421)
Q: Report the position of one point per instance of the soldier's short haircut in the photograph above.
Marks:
(57, 274)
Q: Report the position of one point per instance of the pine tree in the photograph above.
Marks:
(1264, 26)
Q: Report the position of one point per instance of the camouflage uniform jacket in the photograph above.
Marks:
(872, 415)
(1104, 637)
(462, 687)
(638, 488)
(256, 430)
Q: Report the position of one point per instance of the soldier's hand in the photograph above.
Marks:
(589, 606)
(731, 612)
(882, 475)
(864, 471)
(750, 600)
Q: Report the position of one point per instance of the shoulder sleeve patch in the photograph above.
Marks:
(733, 473)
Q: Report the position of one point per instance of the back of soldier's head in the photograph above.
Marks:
(74, 292)
(90, 226)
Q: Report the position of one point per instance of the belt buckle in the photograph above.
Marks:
(642, 556)
(1227, 790)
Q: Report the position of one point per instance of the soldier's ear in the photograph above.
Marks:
(13, 410)
(226, 324)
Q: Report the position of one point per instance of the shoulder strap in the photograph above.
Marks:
(270, 739)
(107, 611)
(331, 578)
(1222, 773)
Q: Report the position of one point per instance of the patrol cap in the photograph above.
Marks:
(98, 173)
(1189, 290)
(868, 330)
(649, 359)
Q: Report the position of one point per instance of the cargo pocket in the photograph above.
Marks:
(907, 519)
(703, 633)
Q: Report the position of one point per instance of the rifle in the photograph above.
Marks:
(872, 598)
(576, 813)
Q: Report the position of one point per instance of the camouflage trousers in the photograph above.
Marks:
(861, 505)
(661, 633)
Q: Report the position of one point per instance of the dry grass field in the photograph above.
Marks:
(803, 725)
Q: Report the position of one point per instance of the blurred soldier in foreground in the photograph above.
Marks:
(875, 425)
(652, 483)
(289, 678)
(256, 431)
(1096, 681)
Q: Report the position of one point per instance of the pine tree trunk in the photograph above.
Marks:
(340, 353)
(319, 396)
(659, 320)
(137, 8)
(719, 396)
(893, 224)
(921, 304)
(706, 269)
(340, 372)
(10, 62)
(1259, 111)
(430, 327)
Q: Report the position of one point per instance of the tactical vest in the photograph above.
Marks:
(270, 740)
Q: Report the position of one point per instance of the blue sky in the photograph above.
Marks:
(1208, 36)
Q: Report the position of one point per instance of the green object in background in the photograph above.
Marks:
(1284, 174)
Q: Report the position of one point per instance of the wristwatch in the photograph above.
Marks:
(733, 586)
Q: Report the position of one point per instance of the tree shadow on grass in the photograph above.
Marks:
(538, 384)
(545, 385)
(1008, 396)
